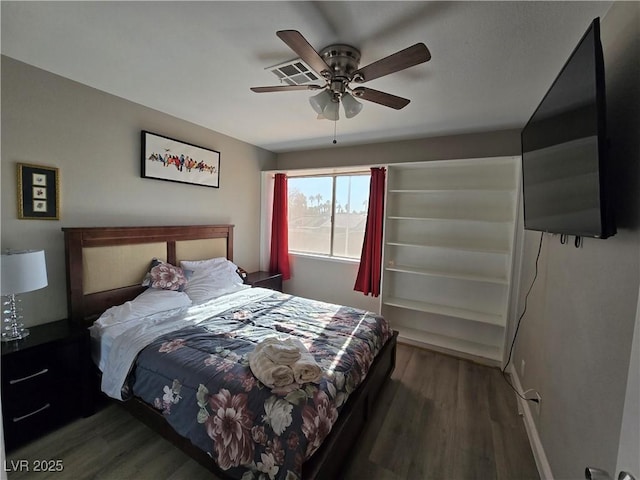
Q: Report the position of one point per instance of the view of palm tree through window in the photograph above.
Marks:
(313, 205)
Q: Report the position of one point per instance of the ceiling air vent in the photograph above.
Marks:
(294, 72)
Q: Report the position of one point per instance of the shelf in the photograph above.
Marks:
(449, 236)
(439, 273)
(481, 317)
(471, 174)
(479, 191)
(453, 247)
(465, 164)
(450, 344)
(450, 219)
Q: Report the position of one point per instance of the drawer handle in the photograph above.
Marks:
(18, 380)
(19, 419)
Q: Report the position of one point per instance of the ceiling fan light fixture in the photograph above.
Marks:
(320, 101)
(339, 65)
(331, 112)
(352, 107)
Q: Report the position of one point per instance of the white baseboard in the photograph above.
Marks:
(524, 407)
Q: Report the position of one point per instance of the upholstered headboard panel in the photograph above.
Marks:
(105, 265)
(106, 268)
(201, 249)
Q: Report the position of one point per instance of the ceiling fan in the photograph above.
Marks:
(338, 65)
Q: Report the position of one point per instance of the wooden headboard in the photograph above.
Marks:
(105, 265)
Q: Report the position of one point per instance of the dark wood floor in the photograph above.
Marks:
(439, 418)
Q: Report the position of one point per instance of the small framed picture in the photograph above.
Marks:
(38, 192)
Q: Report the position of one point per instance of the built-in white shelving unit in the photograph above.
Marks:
(449, 241)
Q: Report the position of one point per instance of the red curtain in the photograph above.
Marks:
(369, 272)
(279, 260)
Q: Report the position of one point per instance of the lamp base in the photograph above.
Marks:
(16, 333)
(12, 329)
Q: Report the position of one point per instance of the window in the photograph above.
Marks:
(328, 214)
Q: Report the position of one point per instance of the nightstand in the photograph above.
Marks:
(45, 381)
(265, 280)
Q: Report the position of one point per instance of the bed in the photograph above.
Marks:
(104, 267)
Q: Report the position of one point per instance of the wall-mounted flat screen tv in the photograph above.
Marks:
(565, 168)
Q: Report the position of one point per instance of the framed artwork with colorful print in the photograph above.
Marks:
(38, 192)
(165, 158)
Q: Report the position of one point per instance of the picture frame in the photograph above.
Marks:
(165, 158)
(38, 192)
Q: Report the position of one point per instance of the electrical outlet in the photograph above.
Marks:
(522, 368)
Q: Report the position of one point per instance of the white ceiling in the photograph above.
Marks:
(491, 61)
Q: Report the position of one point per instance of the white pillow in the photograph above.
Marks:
(219, 267)
(199, 264)
(209, 288)
(150, 301)
(211, 279)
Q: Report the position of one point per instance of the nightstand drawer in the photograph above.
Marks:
(33, 401)
(23, 367)
(20, 409)
(39, 415)
(16, 390)
(44, 378)
(27, 376)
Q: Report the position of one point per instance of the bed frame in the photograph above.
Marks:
(104, 268)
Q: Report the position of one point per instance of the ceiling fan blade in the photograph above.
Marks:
(305, 51)
(285, 88)
(381, 98)
(413, 55)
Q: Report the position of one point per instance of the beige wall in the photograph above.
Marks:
(475, 145)
(94, 139)
(577, 333)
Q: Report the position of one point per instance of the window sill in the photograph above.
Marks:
(325, 258)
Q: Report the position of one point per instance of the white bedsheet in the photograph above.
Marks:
(115, 348)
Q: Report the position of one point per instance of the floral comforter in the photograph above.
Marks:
(199, 377)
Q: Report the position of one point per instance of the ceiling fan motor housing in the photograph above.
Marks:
(343, 60)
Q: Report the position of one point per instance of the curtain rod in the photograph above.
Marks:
(367, 171)
(355, 172)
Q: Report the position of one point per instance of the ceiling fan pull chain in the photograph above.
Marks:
(335, 123)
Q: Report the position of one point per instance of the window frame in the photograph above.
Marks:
(333, 175)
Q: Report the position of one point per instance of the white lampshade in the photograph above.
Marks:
(23, 271)
(320, 101)
(331, 112)
(351, 106)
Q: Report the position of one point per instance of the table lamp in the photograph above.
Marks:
(22, 271)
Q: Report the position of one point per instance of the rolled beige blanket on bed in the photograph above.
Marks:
(279, 362)
(269, 372)
(283, 352)
(305, 369)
